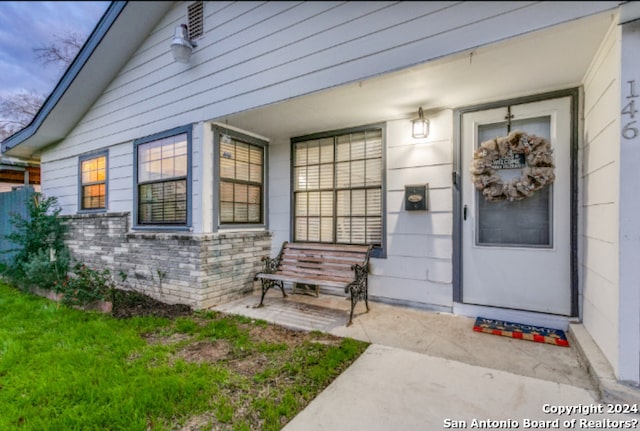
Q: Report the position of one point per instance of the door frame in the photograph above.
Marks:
(574, 94)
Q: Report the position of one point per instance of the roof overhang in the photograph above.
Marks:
(118, 34)
(472, 77)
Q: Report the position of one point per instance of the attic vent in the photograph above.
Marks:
(196, 19)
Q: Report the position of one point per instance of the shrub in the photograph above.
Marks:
(40, 270)
(42, 259)
(85, 285)
(41, 256)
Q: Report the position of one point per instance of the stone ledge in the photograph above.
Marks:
(190, 236)
(609, 388)
(100, 306)
(93, 215)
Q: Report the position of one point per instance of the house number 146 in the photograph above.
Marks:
(628, 131)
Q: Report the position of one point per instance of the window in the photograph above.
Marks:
(93, 182)
(241, 188)
(162, 177)
(338, 188)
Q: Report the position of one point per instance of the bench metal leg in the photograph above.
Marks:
(354, 301)
(268, 284)
(359, 289)
(366, 299)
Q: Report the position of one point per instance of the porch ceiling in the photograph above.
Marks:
(551, 59)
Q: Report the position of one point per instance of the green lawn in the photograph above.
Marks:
(64, 369)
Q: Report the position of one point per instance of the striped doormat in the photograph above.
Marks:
(523, 332)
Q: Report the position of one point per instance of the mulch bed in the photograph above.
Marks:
(130, 304)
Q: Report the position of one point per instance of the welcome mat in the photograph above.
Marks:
(523, 332)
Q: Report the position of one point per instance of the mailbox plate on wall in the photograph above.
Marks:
(415, 197)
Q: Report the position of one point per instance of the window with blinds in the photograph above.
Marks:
(241, 181)
(93, 182)
(338, 188)
(162, 180)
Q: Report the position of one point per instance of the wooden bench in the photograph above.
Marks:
(317, 264)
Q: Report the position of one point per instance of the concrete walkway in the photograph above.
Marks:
(427, 370)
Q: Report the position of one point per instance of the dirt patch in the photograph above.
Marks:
(154, 338)
(205, 351)
(131, 304)
(200, 422)
(277, 334)
(251, 365)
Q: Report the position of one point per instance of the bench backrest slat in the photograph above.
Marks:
(327, 247)
(324, 257)
(330, 262)
(290, 269)
(320, 263)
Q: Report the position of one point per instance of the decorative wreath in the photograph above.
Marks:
(537, 174)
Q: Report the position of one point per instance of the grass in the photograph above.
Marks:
(65, 369)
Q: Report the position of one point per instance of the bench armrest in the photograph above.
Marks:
(270, 263)
(360, 281)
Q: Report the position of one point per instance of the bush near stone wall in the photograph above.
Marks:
(41, 259)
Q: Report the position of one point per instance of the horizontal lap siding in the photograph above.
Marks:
(60, 179)
(279, 193)
(600, 182)
(418, 266)
(255, 53)
(120, 179)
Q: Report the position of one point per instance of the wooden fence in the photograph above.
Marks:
(13, 202)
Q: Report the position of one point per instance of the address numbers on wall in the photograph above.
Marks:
(629, 130)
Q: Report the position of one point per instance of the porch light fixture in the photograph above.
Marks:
(420, 126)
(181, 45)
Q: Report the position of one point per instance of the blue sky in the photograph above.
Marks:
(27, 25)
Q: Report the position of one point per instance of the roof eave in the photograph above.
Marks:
(66, 105)
(22, 137)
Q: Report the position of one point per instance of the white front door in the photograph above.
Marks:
(517, 255)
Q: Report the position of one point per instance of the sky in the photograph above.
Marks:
(25, 25)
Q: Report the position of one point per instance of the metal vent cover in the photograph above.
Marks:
(195, 12)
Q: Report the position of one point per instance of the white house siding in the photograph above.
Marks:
(120, 179)
(198, 151)
(279, 193)
(629, 233)
(419, 248)
(59, 178)
(257, 53)
(600, 191)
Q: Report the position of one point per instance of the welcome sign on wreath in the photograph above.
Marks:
(517, 150)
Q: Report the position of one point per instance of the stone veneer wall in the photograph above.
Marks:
(201, 270)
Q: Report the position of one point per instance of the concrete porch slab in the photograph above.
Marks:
(437, 334)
